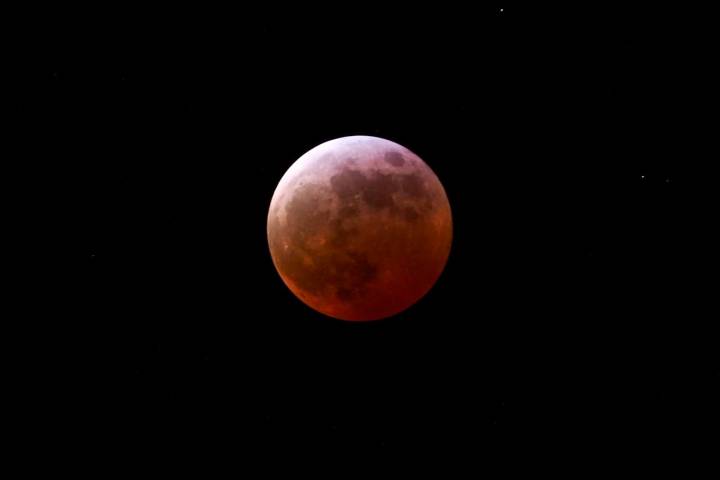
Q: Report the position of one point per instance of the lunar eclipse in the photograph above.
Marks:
(359, 228)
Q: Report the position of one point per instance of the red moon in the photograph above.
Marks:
(359, 228)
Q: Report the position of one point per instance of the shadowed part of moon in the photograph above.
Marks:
(363, 238)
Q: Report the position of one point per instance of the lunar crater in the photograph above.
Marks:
(395, 158)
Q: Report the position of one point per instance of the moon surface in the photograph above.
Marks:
(359, 228)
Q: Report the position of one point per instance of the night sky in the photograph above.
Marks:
(560, 329)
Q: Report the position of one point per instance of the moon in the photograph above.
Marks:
(359, 228)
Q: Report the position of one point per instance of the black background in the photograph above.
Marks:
(560, 330)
